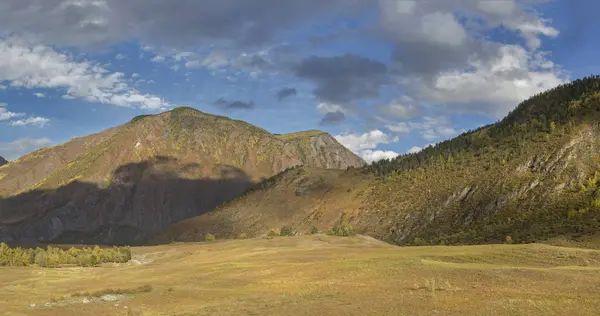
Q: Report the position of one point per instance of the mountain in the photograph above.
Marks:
(532, 176)
(124, 183)
(3, 161)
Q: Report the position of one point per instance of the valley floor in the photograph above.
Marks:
(316, 275)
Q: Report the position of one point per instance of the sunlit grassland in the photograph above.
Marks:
(319, 275)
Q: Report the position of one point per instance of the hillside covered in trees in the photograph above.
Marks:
(532, 176)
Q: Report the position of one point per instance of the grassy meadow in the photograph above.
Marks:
(315, 275)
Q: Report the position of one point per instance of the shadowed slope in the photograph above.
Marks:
(141, 199)
(300, 197)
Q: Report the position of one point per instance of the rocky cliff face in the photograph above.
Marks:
(120, 185)
(2, 161)
(322, 149)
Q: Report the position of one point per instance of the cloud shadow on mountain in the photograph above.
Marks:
(139, 200)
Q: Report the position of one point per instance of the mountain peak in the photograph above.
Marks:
(182, 110)
(3, 161)
(140, 177)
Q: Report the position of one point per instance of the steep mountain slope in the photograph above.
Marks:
(299, 197)
(532, 176)
(121, 184)
(20, 174)
(321, 148)
(2, 161)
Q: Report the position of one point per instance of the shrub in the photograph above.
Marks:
(274, 233)
(341, 230)
(210, 237)
(97, 253)
(243, 236)
(420, 242)
(286, 231)
(86, 259)
(314, 230)
(508, 240)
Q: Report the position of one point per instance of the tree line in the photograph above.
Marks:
(52, 257)
(555, 111)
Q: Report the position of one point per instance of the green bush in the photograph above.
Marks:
(210, 237)
(341, 230)
(274, 233)
(243, 236)
(286, 231)
(52, 257)
(420, 242)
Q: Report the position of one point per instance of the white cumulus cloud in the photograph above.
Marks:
(158, 59)
(414, 150)
(369, 140)
(501, 83)
(38, 66)
(36, 121)
(5, 114)
(446, 56)
(376, 155)
(365, 144)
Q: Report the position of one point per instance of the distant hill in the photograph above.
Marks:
(3, 161)
(119, 185)
(532, 176)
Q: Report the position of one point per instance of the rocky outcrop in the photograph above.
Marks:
(324, 151)
(3, 161)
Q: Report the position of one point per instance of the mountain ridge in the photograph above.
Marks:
(532, 176)
(110, 176)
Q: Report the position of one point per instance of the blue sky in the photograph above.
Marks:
(385, 77)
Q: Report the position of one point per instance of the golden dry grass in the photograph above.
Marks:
(298, 135)
(320, 275)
